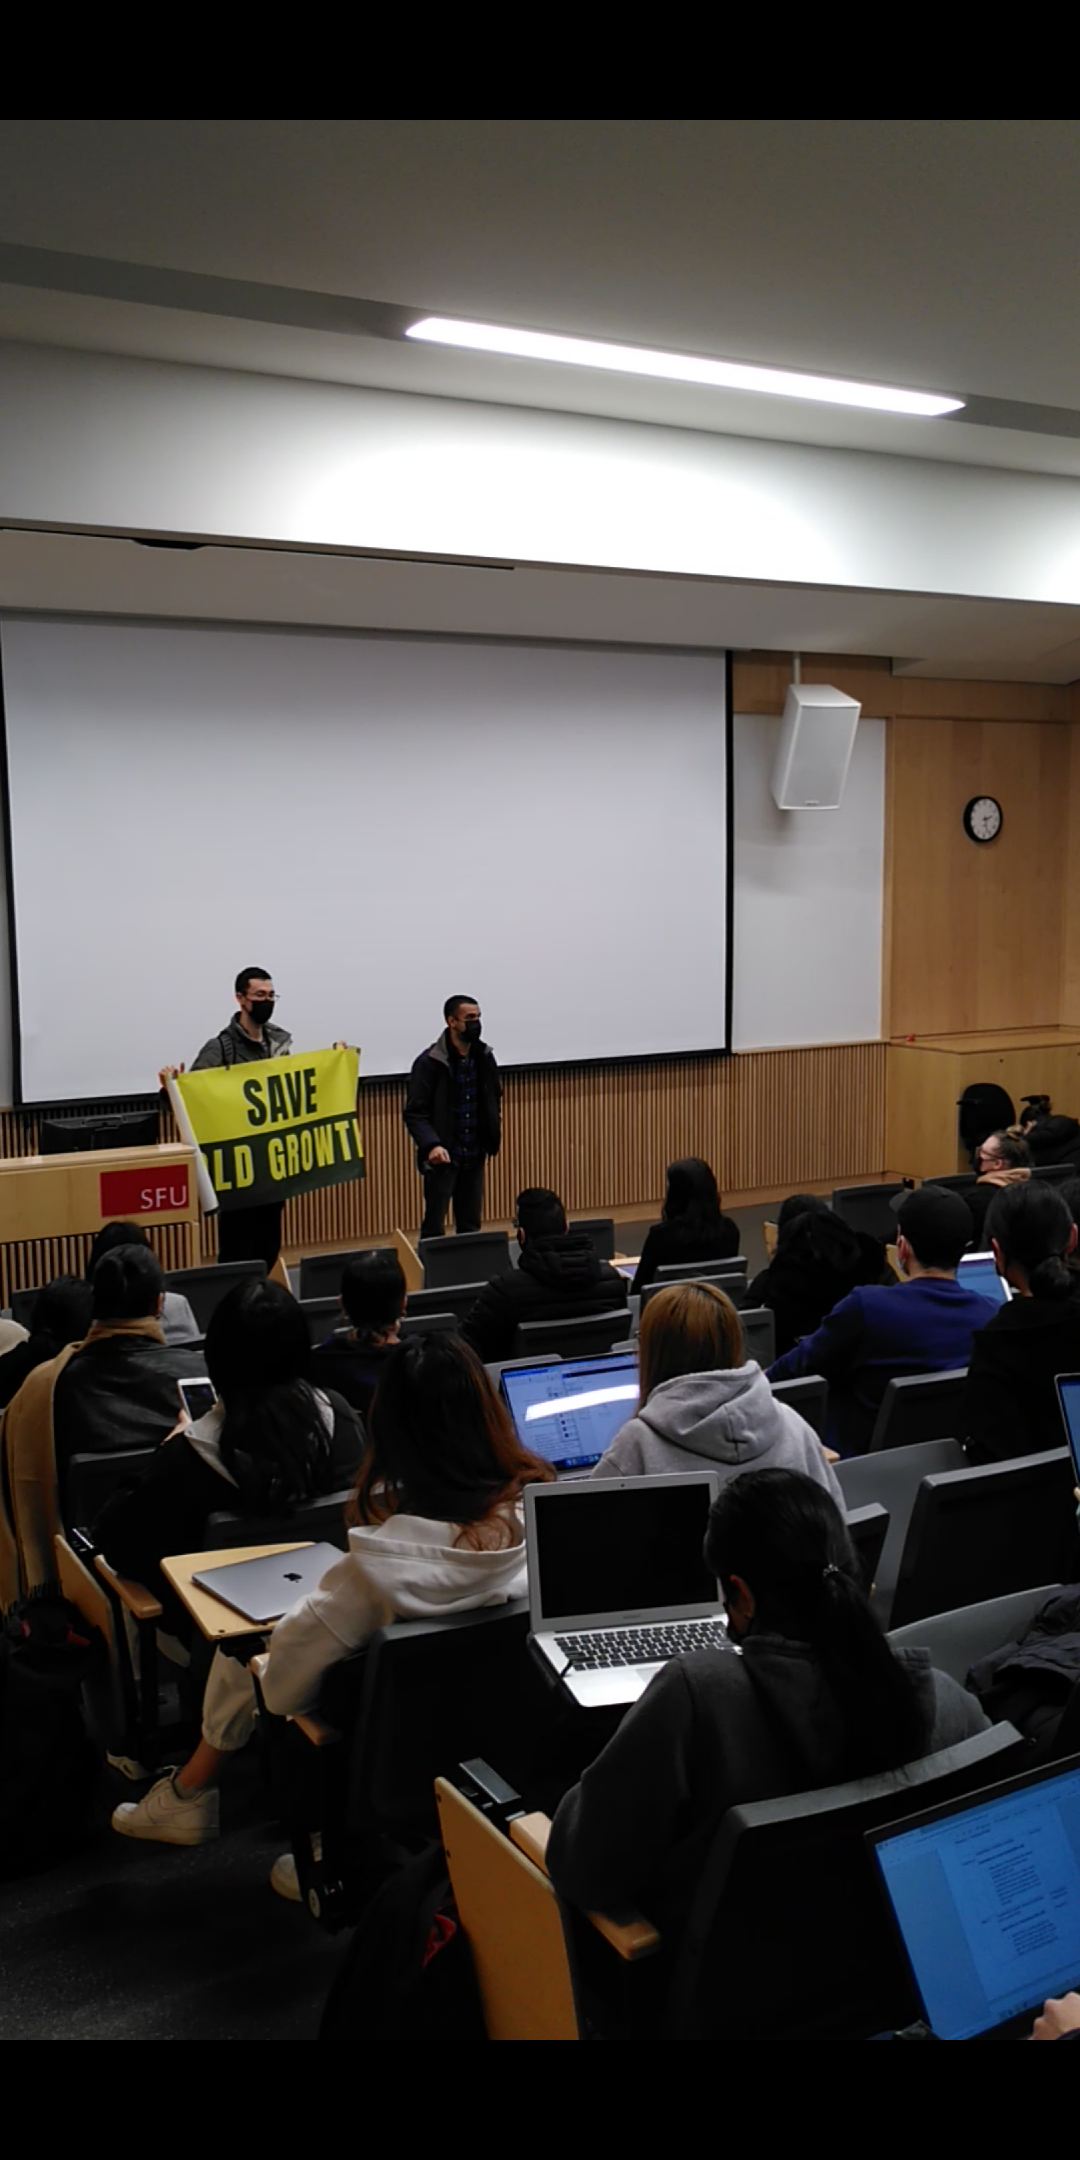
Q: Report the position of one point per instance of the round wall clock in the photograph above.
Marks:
(982, 818)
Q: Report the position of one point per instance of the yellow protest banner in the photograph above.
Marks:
(275, 1127)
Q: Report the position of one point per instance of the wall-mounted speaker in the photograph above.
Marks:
(817, 737)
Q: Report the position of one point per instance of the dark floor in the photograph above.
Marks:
(132, 1941)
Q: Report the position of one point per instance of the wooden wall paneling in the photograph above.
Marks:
(975, 932)
(1070, 883)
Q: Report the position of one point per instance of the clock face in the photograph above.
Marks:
(982, 818)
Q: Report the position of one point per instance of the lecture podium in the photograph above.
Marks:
(926, 1076)
(57, 1196)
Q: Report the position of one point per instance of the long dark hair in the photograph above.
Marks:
(692, 1199)
(786, 1539)
(1033, 1224)
(808, 1230)
(440, 1442)
(274, 1439)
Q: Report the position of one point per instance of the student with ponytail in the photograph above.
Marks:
(816, 1697)
(1010, 1406)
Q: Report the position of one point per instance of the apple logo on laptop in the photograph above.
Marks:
(294, 1577)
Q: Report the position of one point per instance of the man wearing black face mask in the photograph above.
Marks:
(453, 1112)
(246, 1233)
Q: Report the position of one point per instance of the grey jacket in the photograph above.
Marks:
(234, 1047)
(727, 1421)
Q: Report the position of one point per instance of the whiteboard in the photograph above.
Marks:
(380, 822)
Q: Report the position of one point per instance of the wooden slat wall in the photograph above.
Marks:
(602, 1135)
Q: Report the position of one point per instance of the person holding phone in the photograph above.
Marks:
(252, 1233)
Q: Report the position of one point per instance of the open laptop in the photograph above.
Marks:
(570, 1413)
(1068, 1395)
(985, 1895)
(978, 1271)
(261, 1590)
(617, 1582)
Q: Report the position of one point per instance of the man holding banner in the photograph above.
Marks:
(269, 1125)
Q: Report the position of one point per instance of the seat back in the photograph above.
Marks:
(893, 1477)
(322, 1315)
(868, 1528)
(957, 1640)
(920, 1406)
(787, 1901)
(1055, 1173)
(204, 1287)
(977, 1534)
(809, 1395)
(701, 1270)
(428, 1323)
(961, 1183)
(600, 1231)
(759, 1334)
(320, 1521)
(868, 1208)
(92, 1479)
(732, 1281)
(321, 1273)
(436, 1693)
(586, 1335)
(103, 1691)
(472, 1256)
(456, 1298)
(22, 1308)
(512, 1924)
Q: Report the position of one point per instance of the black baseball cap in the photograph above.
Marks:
(936, 1223)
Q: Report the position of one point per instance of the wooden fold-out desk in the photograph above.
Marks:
(926, 1077)
(57, 1196)
(217, 1620)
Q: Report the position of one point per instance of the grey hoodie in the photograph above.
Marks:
(730, 1420)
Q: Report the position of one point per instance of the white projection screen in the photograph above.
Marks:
(381, 822)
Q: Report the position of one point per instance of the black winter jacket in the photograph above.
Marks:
(557, 1278)
(1010, 1402)
(429, 1104)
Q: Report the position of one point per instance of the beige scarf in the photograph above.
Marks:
(1004, 1177)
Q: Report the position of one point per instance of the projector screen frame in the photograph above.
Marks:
(107, 1104)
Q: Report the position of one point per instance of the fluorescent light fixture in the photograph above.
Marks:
(678, 367)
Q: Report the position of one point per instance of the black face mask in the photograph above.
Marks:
(262, 1010)
(471, 1031)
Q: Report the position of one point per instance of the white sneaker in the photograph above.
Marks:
(129, 1766)
(284, 1878)
(169, 1816)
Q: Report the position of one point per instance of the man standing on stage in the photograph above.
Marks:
(246, 1233)
(453, 1111)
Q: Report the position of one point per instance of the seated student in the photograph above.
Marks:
(692, 1226)
(817, 1697)
(61, 1315)
(1010, 1403)
(874, 1335)
(270, 1441)
(702, 1403)
(557, 1277)
(116, 1390)
(438, 1530)
(178, 1322)
(818, 1259)
(372, 1300)
(1001, 1160)
(1050, 1139)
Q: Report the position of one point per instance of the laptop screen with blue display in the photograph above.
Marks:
(986, 1895)
(978, 1271)
(570, 1413)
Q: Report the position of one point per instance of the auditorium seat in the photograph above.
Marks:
(733, 1282)
(204, 1287)
(92, 1479)
(920, 1406)
(809, 1395)
(1055, 1173)
(759, 1334)
(701, 1270)
(472, 1256)
(428, 1323)
(600, 1231)
(458, 1298)
(318, 1521)
(586, 1335)
(961, 1183)
(868, 1528)
(321, 1273)
(893, 1477)
(981, 1533)
(323, 1315)
(958, 1640)
(868, 1208)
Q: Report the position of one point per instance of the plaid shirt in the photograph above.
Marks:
(466, 1146)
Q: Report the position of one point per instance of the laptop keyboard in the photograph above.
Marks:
(607, 1648)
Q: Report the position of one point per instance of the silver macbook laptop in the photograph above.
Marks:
(985, 1895)
(978, 1271)
(262, 1590)
(570, 1412)
(617, 1581)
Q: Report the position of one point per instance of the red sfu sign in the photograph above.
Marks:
(125, 1193)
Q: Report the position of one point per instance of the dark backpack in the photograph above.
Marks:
(1034, 1684)
(48, 1765)
(407, 1973)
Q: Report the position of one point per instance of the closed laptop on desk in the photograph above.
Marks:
(617, 1580)
(263, 1589)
